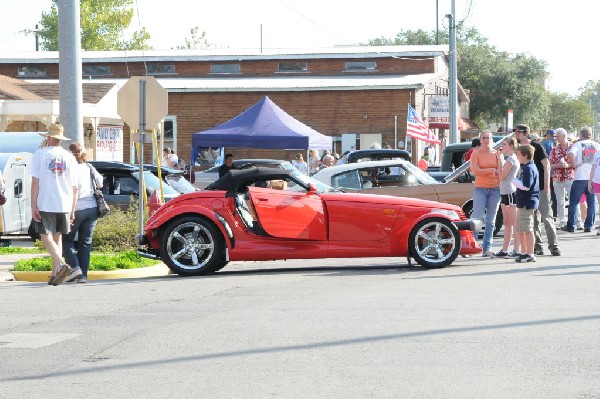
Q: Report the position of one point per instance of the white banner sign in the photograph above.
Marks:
(109, 143)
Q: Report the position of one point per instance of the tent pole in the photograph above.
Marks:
(307, 160)
(396, 131)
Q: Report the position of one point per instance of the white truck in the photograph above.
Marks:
(15, 214)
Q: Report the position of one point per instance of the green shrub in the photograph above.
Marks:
(98, 261)
(116, 231)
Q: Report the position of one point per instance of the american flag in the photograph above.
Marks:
(416, 128)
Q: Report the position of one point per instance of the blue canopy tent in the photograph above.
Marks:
(263, 125)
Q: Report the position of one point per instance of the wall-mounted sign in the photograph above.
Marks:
(439, 112)
(109, 143)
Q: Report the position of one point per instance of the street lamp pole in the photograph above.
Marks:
(453, 80)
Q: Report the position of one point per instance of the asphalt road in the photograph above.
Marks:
(358, 328)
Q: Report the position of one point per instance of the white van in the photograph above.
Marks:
(15, 214)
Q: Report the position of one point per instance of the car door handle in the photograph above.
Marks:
(262, 199)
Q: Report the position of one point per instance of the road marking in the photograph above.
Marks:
(32, 340)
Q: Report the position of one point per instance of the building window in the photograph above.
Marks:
(225, 68)
(360, 66)
(96, 70)
(28, 72)
(160, 69)
(169, 134)
(292, 67)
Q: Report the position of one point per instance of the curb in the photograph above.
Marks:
(150, 271)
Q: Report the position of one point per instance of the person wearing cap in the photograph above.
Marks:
(542, 215)
(54, 199)
(548, 141)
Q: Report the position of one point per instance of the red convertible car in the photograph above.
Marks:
(269, 214)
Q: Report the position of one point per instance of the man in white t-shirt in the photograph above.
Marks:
(581, 156)
(54, 199)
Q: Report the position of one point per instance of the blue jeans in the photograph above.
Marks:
(486, 200)
(83, 229)
(577, 189)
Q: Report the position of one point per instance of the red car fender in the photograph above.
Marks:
(167, 214)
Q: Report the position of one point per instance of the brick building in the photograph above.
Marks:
(357, 95)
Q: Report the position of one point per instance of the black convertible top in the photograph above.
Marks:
(237, 180)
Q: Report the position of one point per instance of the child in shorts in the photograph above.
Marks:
(527, 199)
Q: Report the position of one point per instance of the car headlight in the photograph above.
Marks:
(452, 215)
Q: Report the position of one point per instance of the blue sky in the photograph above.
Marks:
(560, 35)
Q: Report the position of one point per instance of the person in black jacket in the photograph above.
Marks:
(227, 165)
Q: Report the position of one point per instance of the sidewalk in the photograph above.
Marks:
(7, 262)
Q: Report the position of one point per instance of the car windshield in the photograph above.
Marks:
(153, 184)
(305, 181)
(180, 184)
(421, 176)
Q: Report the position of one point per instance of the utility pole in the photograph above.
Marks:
(437, 21)
(453, 80)
(69, 73)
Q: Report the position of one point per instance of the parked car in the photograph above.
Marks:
(231, 219)
(121, 181)
(173, 177)
(206, 177)
(453, 157)
(399, 178)
(376, 154)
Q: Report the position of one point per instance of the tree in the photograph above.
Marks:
(102, 26)
(497, 81)
(195, 41)
(568, 112)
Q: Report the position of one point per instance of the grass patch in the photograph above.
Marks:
(98, 261)
(19, 250)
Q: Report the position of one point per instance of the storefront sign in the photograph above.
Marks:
(109, 143)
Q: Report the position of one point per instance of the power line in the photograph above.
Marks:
(313, 22)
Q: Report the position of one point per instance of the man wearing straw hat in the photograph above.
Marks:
(54, 199)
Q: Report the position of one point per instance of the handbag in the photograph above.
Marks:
(103, 208)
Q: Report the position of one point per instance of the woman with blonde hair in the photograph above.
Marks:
(86, 215)
(314, 161)
(508, 203)
(486, 164)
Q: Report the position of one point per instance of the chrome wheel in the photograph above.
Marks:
(435, 242)
(192, 246)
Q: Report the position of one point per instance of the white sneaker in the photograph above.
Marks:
(74, 275)
(488, 254)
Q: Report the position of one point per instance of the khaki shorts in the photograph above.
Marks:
(524, 220)
(53, 222)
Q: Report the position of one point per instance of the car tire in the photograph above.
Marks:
(434, 243)
(191, 246)
(220, 265)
